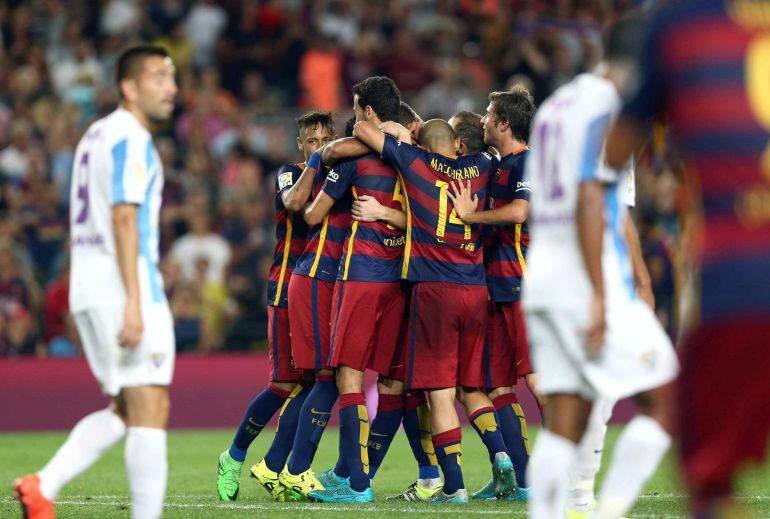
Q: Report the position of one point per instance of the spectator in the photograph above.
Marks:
(202, 244)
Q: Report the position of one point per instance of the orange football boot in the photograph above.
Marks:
(33, 504)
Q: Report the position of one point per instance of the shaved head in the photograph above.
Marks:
(437, 136)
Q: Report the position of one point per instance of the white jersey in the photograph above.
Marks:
(115, 163)
(567, 142)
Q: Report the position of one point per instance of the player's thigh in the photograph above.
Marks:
(98, 330)
(517, 330)
(499, 355)
(387, 326)
(279, 346)
(556, 336)
(473, 321)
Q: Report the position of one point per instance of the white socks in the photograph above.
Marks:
(548, 475)
(92, 436)
(429, 483)
(637, 454)
(589, 459)
(147, 468)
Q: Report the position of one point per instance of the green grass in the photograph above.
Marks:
(102, 491)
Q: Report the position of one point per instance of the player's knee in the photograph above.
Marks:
(148, 407)
(658, 405)
(499, 391)
(349, 380)
(390, 386)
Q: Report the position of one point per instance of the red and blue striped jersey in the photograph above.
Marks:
(706, 65)
(321, 257)
(373, 251)
(439, 246)
(505, 246)
(290, 238)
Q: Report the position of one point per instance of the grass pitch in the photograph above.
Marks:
(103, 491)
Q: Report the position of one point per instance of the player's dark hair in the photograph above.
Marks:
(406, 115)
(471, 136)
(349, 126)
(315, 119)
(131, 60)
(468, 117)
(623, 39)
(381, 93)
(517, 108)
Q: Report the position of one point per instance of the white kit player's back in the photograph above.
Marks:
(115, 162)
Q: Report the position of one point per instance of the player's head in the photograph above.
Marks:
(408, 118)
(145, 79)
(622, 42)
(376, 99)
(316, 129)
(436, 136)
(508, 117)
(471, 139)
(349, 124)
(465, 117)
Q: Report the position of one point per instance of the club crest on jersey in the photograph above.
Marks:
(158, 358)
(284, 180)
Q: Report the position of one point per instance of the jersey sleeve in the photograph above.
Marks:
(339, 179)
(518, 184)
(132, 161)
(287, 176)
(398, 153)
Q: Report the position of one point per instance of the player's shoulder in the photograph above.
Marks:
(291, 168)
(123, 125)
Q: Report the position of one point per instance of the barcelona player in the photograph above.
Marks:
(443, 258)
(506, 128)
(368, 300)
(705, 69)
(593, 338)
(394, 404)
(315, 130)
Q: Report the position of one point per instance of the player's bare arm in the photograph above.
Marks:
(367, 209)
(127, 248)
(345, 148)
(295, 198)
(466, 204)
(318, 209)
(641, 274)
(590, 227)
(625, 137)
(369, 134)
(397, 131)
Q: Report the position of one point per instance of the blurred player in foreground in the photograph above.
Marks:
(718, 106)
(592, 337)
(116, 291)
(283, 392)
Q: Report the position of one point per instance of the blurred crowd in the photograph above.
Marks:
(246, 69)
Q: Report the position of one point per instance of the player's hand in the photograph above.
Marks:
(367, 209)
(465, 203)
(396, 130)
(645, 294)
(131, 332)
(596, 327)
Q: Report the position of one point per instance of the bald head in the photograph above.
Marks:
(437, 136)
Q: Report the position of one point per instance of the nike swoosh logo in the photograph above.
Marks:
(252, 422)
(378, 434)
(318, 412)
(394, 367)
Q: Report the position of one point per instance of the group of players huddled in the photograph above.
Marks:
(383, 262)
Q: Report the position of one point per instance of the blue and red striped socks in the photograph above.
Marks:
(390, 411)
(311, 424)
(484, 421)
(259, 412)
(354, 437)
(514, 429)
(449, 453)
(279, 450)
